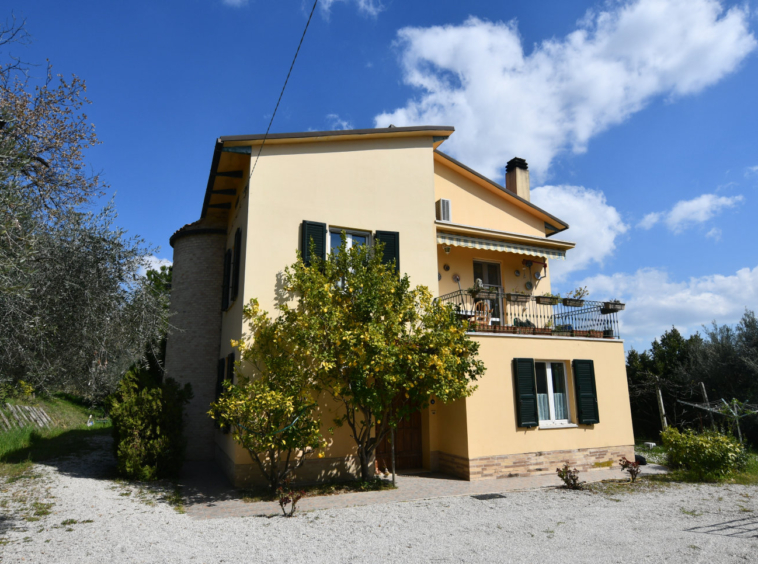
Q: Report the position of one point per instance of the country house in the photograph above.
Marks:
(555, 388)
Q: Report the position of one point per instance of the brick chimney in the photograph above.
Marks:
(517, 177)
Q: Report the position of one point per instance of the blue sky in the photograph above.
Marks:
(638, 118)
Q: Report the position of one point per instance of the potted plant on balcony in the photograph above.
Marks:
(516, 296)
(563, 330)
(524, 327)
(548, 299)
(612, 307)
(576, 297)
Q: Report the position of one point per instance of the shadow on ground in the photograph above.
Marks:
(742, 528)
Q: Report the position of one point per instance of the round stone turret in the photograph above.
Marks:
(192, 350)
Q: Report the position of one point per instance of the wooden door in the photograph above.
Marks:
(407, 446)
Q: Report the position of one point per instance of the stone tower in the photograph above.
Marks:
(192, 349)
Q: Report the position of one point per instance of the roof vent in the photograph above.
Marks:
(443, 210)
(516, 162)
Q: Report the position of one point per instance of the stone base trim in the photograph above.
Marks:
(532, 463)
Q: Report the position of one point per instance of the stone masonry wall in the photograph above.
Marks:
(530, 463)
(193, 347)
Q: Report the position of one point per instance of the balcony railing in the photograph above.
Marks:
(492, 310)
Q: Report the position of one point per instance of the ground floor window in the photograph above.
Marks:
(552, 392)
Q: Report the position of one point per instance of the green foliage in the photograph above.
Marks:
(148, 426)
(708, 455)
(378, 347)
(273, 415)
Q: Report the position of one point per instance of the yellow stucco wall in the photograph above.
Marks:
(369, 185)
(473, 204)
(491, 410)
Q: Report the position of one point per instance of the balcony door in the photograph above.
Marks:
(488, 273)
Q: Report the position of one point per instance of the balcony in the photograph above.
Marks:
(491, 310)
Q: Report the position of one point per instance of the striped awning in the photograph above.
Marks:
(502, 246)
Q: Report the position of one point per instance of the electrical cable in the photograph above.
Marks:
(308, 23)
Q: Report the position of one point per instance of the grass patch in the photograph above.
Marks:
(19, 448)
(316, 490)
(644, 484)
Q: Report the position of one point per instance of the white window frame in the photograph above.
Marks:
(555, 423)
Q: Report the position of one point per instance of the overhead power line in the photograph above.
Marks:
(308, 23)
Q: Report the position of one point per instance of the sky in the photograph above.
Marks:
(637, 118)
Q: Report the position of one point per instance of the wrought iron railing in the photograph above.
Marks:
(492, 310)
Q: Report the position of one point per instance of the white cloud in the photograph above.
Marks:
(234, 3)
(714, 234)
(335, 122)
(649, 220)
(594, 225)
(687, 213)
(151, 262)
(654, 302)
(368, 7)
(751, 171)
(505, 102)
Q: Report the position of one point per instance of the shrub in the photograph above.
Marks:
(570, 477)
(288, 496)
(708, 455)
(148, 426)
(631, 466)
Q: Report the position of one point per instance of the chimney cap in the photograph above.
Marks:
(516, 162)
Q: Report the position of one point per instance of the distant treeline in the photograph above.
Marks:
(724, 358)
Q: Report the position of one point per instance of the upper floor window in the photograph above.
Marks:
(352, 238)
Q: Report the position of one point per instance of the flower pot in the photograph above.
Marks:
(608, 334)
(543, 331)
(547, 300)
(510, 329)
(571, 302)
(517, 298)
(611, 307)
(524, 330)
(581, 333)
(595, 334)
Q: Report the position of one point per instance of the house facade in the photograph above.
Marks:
(555, 387)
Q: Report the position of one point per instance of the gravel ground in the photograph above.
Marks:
(116, 522)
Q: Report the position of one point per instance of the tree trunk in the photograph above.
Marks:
(366, 473)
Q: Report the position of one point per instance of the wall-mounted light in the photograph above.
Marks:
(447, 250)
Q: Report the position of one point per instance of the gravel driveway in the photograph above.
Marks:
(96, 519)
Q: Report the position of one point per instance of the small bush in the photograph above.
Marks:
(288, 496)
(147, 419)
(708, 455)
(570, 477)
(631, 466)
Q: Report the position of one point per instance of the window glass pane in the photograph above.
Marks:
(478, 271)
(560, 397)
(359, 239)
(543, 405)
(493, 275)
(335, 240)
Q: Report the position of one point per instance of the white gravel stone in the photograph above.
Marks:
(692, 523)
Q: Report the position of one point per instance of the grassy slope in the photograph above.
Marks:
(20, 447)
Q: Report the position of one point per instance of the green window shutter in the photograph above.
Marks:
(230, 367)
(526, 392)
(236, 262)
(586, 393)
(391, 240)
(316, 231)
(227, 274)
